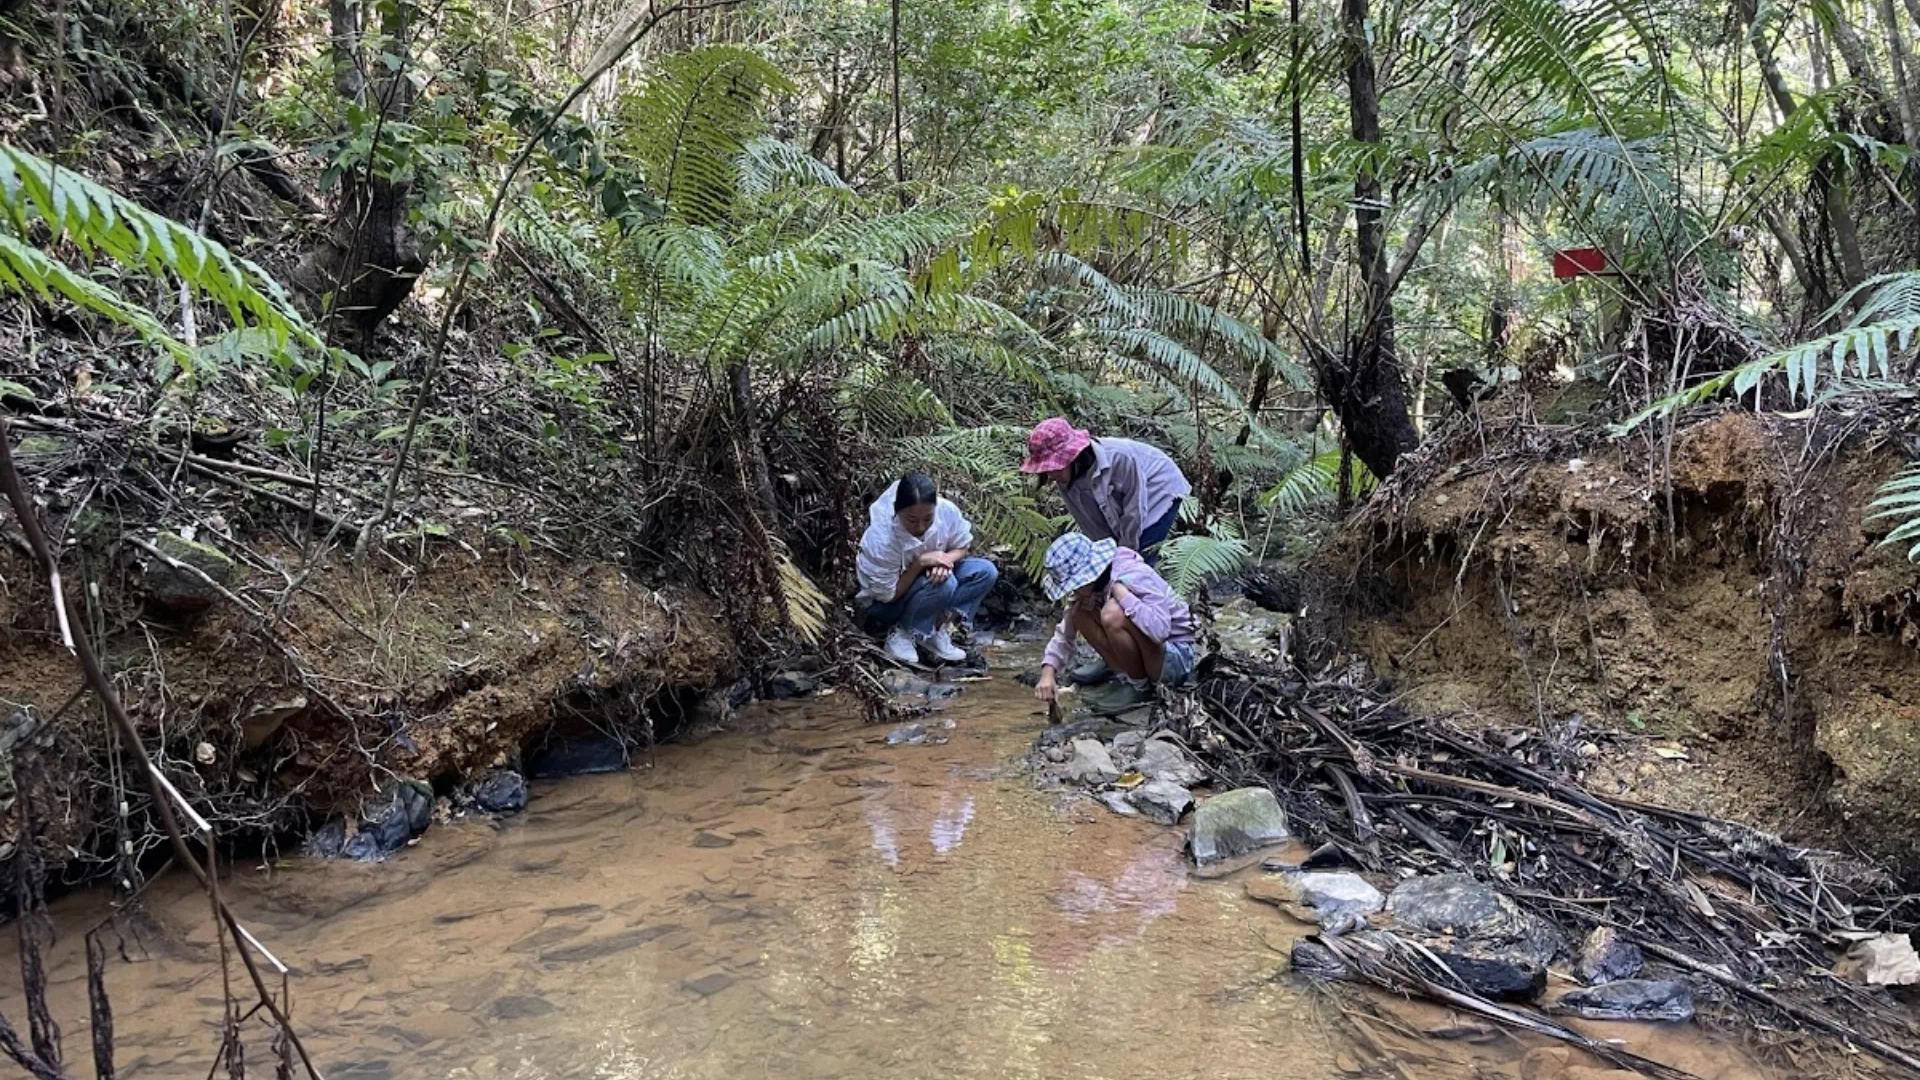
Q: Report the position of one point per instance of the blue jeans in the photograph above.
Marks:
(1152, 535)
(921, 608)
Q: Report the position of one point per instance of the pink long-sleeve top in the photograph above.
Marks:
(1150, 603)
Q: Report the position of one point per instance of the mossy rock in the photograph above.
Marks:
(176, 591)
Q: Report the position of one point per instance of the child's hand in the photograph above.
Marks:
(1119, 592)
(1047, 688)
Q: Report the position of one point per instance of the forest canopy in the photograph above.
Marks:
(737, 260)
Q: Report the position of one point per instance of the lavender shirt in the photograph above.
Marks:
(1151, 604)
(1131, 486)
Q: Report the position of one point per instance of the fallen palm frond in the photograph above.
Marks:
(1400, 794)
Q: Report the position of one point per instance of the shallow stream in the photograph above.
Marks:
(791, 899)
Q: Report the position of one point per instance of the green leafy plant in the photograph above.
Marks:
(1884, 326)
(45, 208)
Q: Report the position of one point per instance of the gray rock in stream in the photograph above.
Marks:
(1118, 802)
(1089, 763)
(501, 791)
(1497, 950)
(1606, 957)
(907, 735)
(1630, 999)
(791, 684)
(399, 813)
(1161, 759)
(1310, 957)
(1236, 823)
(1161, 800)
(1340, 901)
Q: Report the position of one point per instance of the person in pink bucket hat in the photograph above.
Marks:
(1116, 489)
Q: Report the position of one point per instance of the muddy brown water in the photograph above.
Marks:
(792, 899)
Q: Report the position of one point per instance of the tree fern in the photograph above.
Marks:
(875, 398)
(766, 165)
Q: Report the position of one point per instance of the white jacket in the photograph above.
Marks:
(886, 548)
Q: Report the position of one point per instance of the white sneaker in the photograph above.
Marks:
(900, 646)
(940, 643)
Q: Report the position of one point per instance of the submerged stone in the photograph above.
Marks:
(709, 985)
(1630, 999)
(1119, 802)
(1236, 823)
(907, 735)
(520, 1007)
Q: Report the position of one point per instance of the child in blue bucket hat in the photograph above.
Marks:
(1125, 610)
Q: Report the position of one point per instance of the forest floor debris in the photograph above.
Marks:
(1496, 839)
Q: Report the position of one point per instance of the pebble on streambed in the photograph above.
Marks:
(1134, 773)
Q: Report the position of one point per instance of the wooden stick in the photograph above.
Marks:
(1885, 1051)
(158, 788)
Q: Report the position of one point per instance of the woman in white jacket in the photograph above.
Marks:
(915, 571)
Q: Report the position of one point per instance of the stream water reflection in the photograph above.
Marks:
(796, 899)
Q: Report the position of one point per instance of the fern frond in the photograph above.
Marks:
(1807, 366)
(38, 196)
(1313, 480)
(1165, 361)
(1899, 498)
(31, 272)
(691, 123)
(878, 400)
(803, 605)
(1191, 561)
(767, 165)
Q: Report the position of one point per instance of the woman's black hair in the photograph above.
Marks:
(1083, 464)
(915, 489)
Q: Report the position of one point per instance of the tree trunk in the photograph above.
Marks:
(343, 25)
(1853, 53)
(1846, 239)
(1903, 92)
(746, 421)
(368, 263)
(1832, 189)
(899, 143)
(1364, 383)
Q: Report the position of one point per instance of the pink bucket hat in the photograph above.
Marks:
(1053, 445)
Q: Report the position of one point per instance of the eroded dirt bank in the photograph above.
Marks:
(430, 670)
(1756, 659)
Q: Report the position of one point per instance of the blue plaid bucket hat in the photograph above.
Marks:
(1073, 561)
